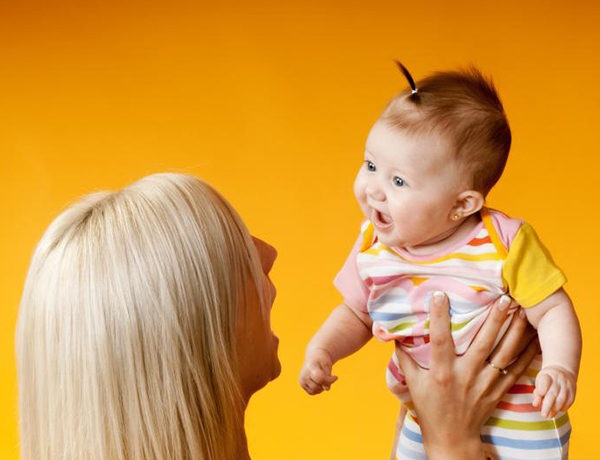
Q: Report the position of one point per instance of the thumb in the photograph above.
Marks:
(328, 369)
(329, 380)
(407, 364)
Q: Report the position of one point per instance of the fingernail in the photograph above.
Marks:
(439, 295)
(504, 302)
(522, 313)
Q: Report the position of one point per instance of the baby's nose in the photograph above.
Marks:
(375, 193)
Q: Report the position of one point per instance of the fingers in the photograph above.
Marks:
(408, 365)
(516, 338)
(440, 334)
(542, 385)
(484, 342)
(550, 393)
(314, 388)
(569, 399)
(515, 370)
(554, 391)
(321, 376)
(560, 401)
(315, 378)
(537, 400)
(549, 400)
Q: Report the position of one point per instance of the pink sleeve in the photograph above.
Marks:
(349, 282)
(505, 226)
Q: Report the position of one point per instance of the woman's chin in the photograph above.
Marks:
(276, 362)
(276, 368)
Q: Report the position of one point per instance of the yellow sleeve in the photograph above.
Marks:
(529, 271)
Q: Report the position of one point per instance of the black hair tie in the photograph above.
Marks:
(414, 96)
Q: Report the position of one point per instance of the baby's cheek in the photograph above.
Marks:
(361, 199)
(359, 189)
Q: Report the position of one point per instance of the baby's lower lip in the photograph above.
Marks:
(376, 219)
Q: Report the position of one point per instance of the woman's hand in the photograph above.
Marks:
(455, 397)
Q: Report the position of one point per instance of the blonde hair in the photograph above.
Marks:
(127, 326)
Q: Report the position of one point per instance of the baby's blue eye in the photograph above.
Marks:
(370, 166)
(398, 182)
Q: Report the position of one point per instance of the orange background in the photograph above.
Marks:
(271, 102)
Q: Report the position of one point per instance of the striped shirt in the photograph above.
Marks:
(500, 255)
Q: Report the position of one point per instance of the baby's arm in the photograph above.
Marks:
(343, 333)
(560, 338)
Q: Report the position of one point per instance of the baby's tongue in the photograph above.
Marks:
(385, 218)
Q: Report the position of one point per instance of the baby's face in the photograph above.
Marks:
(407, 186)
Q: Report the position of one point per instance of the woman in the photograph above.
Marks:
(144, 329)
(133, 327)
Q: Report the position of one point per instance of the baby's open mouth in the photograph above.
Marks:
(381, 220)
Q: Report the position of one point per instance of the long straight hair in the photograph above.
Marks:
(127, 326)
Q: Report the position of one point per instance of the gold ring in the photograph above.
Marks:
(499, 369)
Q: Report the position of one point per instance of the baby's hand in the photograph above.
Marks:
(315, 376)
(554, 390)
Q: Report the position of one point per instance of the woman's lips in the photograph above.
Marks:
(381, 220)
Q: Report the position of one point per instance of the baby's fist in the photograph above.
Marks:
(315, 376)
(555, 389)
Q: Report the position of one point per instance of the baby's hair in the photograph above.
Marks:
(414, 95)
(463, 106)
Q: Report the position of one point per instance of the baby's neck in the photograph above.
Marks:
(446, 239)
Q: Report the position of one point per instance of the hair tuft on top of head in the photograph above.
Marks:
(414, 95)
(464, 107)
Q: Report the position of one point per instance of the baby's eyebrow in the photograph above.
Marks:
(369, 154)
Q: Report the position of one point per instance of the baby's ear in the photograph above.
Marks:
(467, 203)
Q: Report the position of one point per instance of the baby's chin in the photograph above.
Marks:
(389, 239)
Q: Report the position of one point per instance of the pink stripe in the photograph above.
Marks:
(453, 286)
(426, 272)
(464, 337)
(444, 251)
(396, 372)
(421, 354)
(506, 227)
(394, 282)
(419, 328)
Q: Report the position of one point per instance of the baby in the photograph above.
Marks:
(430, 160)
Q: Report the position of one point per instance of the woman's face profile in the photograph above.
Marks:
(257, 344)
